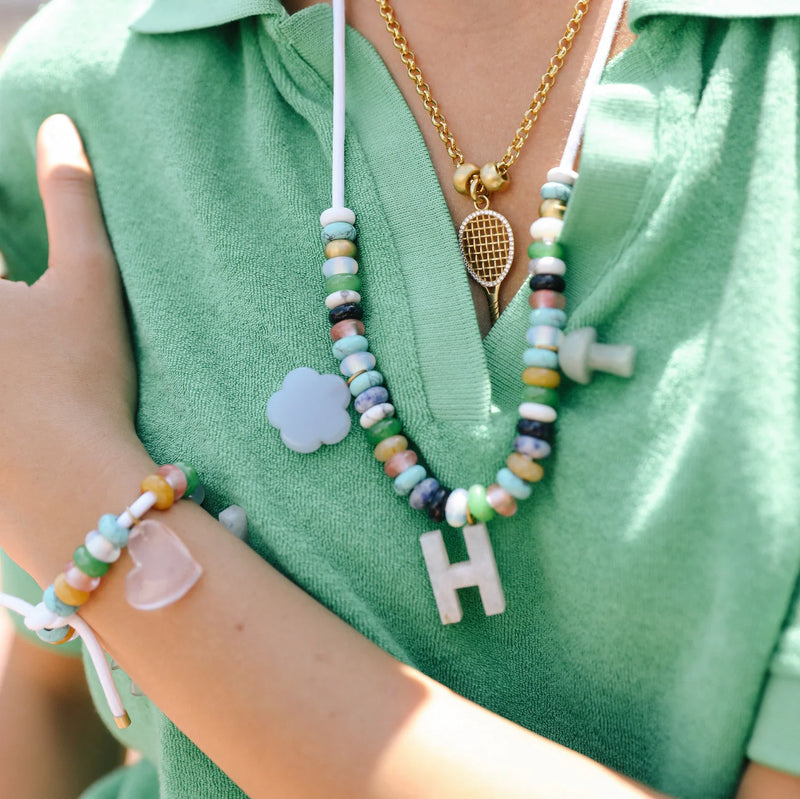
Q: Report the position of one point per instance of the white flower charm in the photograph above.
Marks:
(310, 409)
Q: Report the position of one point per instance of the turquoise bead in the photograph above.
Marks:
(341, 265)
(55, 605)
(515, 486)
(536, 356)
(553, 317)
(348, 345)
(51, 636)
(405, 481)
(112, 532)
(338, 230)
(556, 191)
(365, 381)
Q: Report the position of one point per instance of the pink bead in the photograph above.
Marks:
(399, 462)
(175, 477)
(76, 579)
(347, 327)
(547, 299)
(500, 500)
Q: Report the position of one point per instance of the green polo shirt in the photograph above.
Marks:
(650, 579)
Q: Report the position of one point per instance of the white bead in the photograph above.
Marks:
(582, 355)
(537, 412)
(559, 175)
(357, 362)
(341, 298)
(374, 414)
(546, 228)
(101, 548)
(340, 265)
(331, 215)
(545, 336)
(456, 510)
(547, 265)
(41, 616)
(235, 520)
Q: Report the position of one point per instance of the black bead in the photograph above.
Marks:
(547, 282)
(350, 310)
(437, 504)
(544, 430)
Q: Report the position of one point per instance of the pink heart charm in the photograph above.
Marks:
(164, 568)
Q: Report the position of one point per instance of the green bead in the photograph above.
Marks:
(544, 396)
(478, 504)
(383, 429)
(88, 564)
(192, 478)
(545, 249)
(342, 283)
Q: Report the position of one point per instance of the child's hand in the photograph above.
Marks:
(67, 378)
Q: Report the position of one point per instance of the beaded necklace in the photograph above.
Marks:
(549, 350)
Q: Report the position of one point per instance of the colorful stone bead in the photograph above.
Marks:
(372, 396)
(552, 207)
(348, 345)
(388, 447)
(560, 174)
(116, 535)
(78, 580)
(341, 298)
(547, 299)
(343, 283)
(338, 230)
(500, 500)
(543, 430)
(423, 492)
(165, 494)
(57, 636)
(544, 359)
(544, 396)
(67, 594)
(357, 362)
(376, 414)
(192, 478)
(456, 509)
(478, 506)
(175, 477)
(339, 248)
(351, 310)
(89, 565)
(546, 266)
(546, 378)
(524, 468)
(347, 327)
(538, 411)
(361, 383)
(532, 447)
(340, 265)
(399, 462)
(547, 283)
(546, 228)
(556, 191)
(554, 317)
(338, 214)
(54, 604)
(100, 548)
(515, 486)
(383, 429)
(545, 249)
(438, 503)
(406, 481)
(544, 336)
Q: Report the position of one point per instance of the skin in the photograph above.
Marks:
(367, 725)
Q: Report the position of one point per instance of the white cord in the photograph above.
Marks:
(337, 199)
(592, 81)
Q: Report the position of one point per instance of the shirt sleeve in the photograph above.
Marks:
(775, 741)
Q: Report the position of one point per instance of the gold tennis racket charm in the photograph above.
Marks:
(487, 246)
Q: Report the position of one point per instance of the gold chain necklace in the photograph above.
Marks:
(485, 236)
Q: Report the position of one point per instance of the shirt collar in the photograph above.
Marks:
(174, 16)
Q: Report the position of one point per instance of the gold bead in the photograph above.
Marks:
(462, 179)
(492, 178)
(338, 247)
(552, 207)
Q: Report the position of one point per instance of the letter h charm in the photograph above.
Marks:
(480, 570)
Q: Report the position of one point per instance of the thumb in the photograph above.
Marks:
(79, 247)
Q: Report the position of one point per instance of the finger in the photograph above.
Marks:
(79, 246)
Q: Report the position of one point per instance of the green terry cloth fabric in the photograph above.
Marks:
(650, 576)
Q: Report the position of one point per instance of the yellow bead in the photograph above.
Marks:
(339, 247)
(390, 446)
(493, 178)
(524, 468)
(165, 495)
(67, 594)
(536, 376)
(463, 177)
(553, 207)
